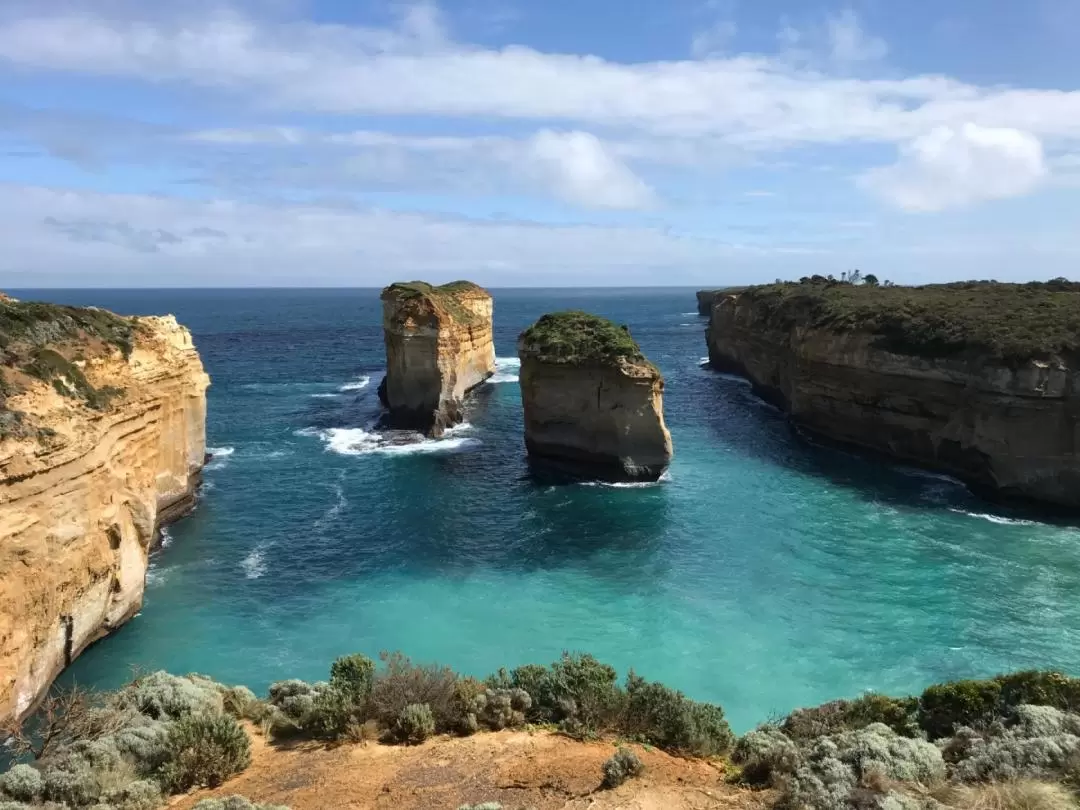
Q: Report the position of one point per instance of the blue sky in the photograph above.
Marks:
(596, 142)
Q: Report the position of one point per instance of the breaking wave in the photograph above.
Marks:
(219, 457)
(254, 564)
(360, 442)
(357, 385)
(506, 370)
(1001, 521)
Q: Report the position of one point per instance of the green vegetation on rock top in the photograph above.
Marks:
(1010, 322)
(442, 297)
(579, 337)
(44, 341)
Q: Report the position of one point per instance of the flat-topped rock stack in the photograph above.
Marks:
(593, 403)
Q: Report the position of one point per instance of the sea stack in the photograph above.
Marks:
(102, 441)
(439, 346)
(979, 380)
(594, 405)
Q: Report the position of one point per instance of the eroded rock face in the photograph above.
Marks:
(92, 463)
(592, 411)
(705, 299)
(1006, 429)
(439, 346)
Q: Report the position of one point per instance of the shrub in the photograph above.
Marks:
(899, 714)
(353, 675)
(667, 719)
(624, 765)
(143, 794)
(76, 785)
(531, 678)
(414, 724)
(765, 754)
(235, 803)
(1024, 794)
(13, 805)
(240, 702)
(579, 693)
(1044, 721)
(1010, 757)
(403, 683)
(943, 707)
(1040, 689)
(23, 783)
(578, 337)
(497, 709)
(162, 696)
(205, 750)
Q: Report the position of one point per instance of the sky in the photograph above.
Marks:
(535, 143)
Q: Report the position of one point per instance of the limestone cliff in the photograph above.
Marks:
(976, 380)
(593, 403)
(706, 298)
(102, 438)
(438, 347)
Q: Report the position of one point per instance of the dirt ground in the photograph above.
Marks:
(521, 770)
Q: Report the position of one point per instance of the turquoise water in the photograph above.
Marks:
(765, 574)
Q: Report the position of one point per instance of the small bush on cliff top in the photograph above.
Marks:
(579, 337)
(204, 750)
(625, 764)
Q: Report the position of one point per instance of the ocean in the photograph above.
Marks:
(763, 573)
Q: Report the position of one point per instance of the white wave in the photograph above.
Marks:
(336, 508)
(155, 577)
(166, 538)
(506, 370)
(326, 396)
(684, 314)
(704, 361)
(219, 457)
(359, 385)
(254, 564)
(664, 478)
(1003, 521)
(360, 442)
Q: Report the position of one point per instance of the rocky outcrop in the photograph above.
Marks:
(706, 298)
(103, 441)
(439, 346)
(593, 403)
(901, 378)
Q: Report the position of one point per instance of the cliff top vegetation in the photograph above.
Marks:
(47, 342)
(163, 734)
(444, 297)
(1010, 322)
(579, 337)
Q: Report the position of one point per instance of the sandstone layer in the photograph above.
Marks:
(102, 442)
(594, 405)
(439, 346)
(926, 378)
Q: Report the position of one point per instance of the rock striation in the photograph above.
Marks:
(593, 403)
(439, 346)
(978, 380)
(102, 439)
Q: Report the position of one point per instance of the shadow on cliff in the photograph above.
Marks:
(743, 421)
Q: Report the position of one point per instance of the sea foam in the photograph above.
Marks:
(360, 442)
(506, 370)
(357, 385)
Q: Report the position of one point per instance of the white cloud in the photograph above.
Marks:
(580, 169)
(849, 43)
(713, 40)
(955, 167)
(409, 70)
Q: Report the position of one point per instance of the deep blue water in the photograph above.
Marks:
(764, 575)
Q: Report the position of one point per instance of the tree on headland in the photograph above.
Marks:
(870, 280)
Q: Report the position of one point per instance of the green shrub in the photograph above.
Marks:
(143, 794)
(578, 337)
(235, 803)
(5, 805)
(1037, 688)
(240, 702)
(624, 765)
(23, 783)
(899, 714)
(765, 754)
(75, 785)
(666, 718)
(577, 692)
(402, 683)
(943, 707)
(353, 675)
(162, 696)
(205, 750)
(415, 724)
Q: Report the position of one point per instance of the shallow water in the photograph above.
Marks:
(764, 574)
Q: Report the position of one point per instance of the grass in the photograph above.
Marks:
(40, 339)
(579, 337)
(443, 297)
(1012, 323)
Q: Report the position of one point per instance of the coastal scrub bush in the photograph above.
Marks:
(579, 693)
(666, 718)
(204, 749)
(899, 714)
(625, 764)
(23, 783)
(143, 794)
(235, 803)
(577, 337)
(240, 702)
(414, 724)
(763, 754)
(1040, 688)
(1010, 756)
(353, 675)
(1023, 794)
(946, 706)
(6, 805)
(402, 683)
(162, 696)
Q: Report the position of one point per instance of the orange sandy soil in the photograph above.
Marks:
(538, 771)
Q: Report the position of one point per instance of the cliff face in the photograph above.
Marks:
(438, 346)
(591, 408)
(705, 299)
(103, 442)
(1003, 425)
